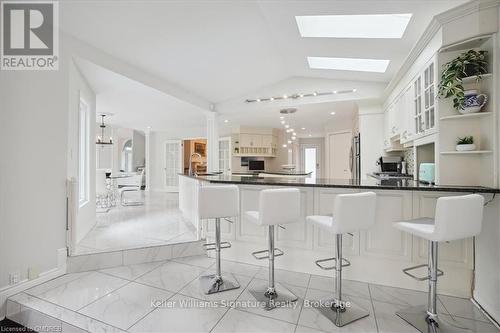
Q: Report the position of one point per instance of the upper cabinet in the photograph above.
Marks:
(424, 101)
(412, 113)
(255, 142)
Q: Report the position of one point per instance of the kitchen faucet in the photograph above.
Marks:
(191, 173)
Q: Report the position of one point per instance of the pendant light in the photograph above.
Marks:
(100, 139)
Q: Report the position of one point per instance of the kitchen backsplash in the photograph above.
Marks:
(410, 161)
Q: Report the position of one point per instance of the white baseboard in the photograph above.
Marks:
(8, 291)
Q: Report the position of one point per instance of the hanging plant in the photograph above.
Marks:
(469, 63)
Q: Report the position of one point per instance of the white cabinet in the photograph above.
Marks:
(407, 116)
(424, 106)
(250, 140)
(412, 114)
(248, 144)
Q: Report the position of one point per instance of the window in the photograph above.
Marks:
(83, 153)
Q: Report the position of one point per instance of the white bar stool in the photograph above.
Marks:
(216, 202)
(352, 212)
(456, 218)
(276, 206)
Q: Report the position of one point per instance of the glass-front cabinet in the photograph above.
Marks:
(424, 101)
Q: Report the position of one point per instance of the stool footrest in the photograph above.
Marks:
(212, 246)
(319, 262)
(420, 278)
(257, 254)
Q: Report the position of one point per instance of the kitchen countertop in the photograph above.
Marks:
(370, 183)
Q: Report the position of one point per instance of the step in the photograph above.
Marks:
(87, 262)
(42, 316)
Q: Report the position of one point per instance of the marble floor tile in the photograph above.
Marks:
(288, 277)
(304, 329)
(171, 276)
(70, 317)
(180, 318)
(61, 280)
(239, 268)
(462, 307)
(132, 272)
(311, 317)
(77, 293)
(289, 314)
(200, 261)
(194, 290)
(388, 321)
(475, 326)
(125, 306)
(403, 297)
(349, 287)
(238, 321)
(158, 222)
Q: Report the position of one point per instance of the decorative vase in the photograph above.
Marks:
(466, 147)
(474, 102)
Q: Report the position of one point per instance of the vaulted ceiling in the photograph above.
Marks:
(223, 51)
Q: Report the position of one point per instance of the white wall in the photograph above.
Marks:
(371, 129)
(139, 150)
(157, 151)
(79, 88)
(34, 136)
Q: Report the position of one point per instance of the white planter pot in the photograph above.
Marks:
(466, 147)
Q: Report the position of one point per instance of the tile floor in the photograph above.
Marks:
(166, 297)
(158, 222)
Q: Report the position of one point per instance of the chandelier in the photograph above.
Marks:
(100, 139)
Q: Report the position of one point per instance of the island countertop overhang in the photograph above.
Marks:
(373, 184)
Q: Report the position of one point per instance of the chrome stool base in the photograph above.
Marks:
(211, 284)
(340, 316)
(281, 298)
(418, 318)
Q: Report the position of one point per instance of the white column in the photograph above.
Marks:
(148, 159)
(212, 142)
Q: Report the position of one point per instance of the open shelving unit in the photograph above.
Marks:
(478, 167)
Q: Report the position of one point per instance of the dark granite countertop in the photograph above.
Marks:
(370, 183)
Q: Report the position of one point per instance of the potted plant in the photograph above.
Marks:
(469, 63)
(465, 144)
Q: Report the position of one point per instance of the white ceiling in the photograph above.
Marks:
(223, 51)
(313, 117)
(135, 105)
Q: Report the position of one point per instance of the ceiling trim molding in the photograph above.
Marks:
(436, 24)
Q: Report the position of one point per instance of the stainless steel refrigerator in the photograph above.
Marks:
(355, 157)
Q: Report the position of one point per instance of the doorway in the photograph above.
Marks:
(311, 159)
(338, 152)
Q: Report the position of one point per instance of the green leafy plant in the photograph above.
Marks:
(466, 140)
(469, 63)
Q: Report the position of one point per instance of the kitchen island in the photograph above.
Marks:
(377, 255)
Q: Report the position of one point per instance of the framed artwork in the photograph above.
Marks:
(200, 148)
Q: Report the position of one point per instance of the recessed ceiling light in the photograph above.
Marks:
(284, 146)
(285, 96)
(310, 135)
(282, 117)
(226, 121)
(303, 128)
(286, 126)
(282, 122)
(149, 127)
(332, 113)
(353, 26)
(348, 64)
(289, 141)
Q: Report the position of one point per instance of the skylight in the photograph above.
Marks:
(348, 64)
(353, 26)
